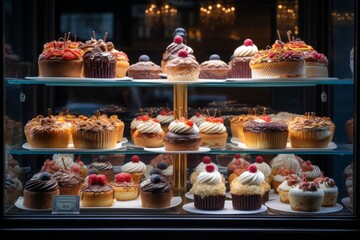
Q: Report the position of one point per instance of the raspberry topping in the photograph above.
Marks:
(178, 39)
(189, 123)
(197, 114)
(248, 42)
(93, 179)
(135, 159)
(145, 118)
(206, 160)
(75, 169)
(265, 118)
(252, 168)
(237, 155)
(123, 177)
(259, 159)
(102, 180)
(183, 53)
(215, 119)
(210, 168)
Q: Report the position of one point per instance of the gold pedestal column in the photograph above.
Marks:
(180, 160)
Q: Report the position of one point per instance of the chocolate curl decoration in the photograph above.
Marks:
(62, 159)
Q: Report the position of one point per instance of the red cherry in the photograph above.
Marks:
(75, 169)
(102, 180)
(122, 177)
(183, 53)
(308, 163)
(206, 160)
(178, 39)
(252, 168)
(155, 120)
(189, 123)
(259, 159)
(128, 177)
(145, 118)
(210, 168)
(93, 179)
(237, 155)
(248, 42)
(266, 118)
(197, 114)
(135, 159)
(162, 112)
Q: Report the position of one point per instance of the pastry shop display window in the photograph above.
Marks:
(153, 110)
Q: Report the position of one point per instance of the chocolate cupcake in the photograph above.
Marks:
(144, 69)
(214, 68)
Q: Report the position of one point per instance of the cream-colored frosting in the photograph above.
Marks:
(212, 127)
(279, 178)
(181, 128)
(134, 123)
(210, 178)
(198, 120)
(201, 167)
(316, 172)
(245, 51)
(132, 167)
(264, 168)
(296, 191)
(168, 171)
(67, 159)
(287, 161)
(328, 189)
(284, 186)
(249, 178)
(165, 119)
(149, 127)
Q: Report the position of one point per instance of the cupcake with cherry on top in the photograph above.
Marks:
(198, 118)
(240, 62)
(125, 189)
(165, 117)
(182, 68)
(213, 132)
(201, 168)
(135, 167)
(264, 168)
(97, 192)
(330, 190)
(148, 133)
(311, 171)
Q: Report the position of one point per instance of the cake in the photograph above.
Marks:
(69, 182)
(280, 177)
(104, 168)
(182, 68)
(214, 68)
(331, 191)
(247, 190)
(209, 190)
(97, 192)
(183, 135)
(241, 58)
(125, 189)
(99, 63)
(135, 167)
(38, 191)
(62, 59)
(277, 63)
(172, 50)
(201, 168)
(264, 168)
(47, 132)
(165, 117)
(13, 188)
(310, 171)
(267, 135)
(144, 69)
(310, 131)
(155, 192)
(283, 189)
(288, 161)
(94, 133)
(213, 132)
(122, 60)
(306, 197)
(148, 133)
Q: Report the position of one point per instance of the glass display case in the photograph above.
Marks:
(148, 27)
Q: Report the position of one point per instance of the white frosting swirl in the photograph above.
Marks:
(165, 119)
(327, 189)
(168, 171)
(198, 120)
(212, 127)
(248, 178)
(134, 123)
(132, 167)
(287, 161)
(149, 127)
(246, 51)
(211, 178)
(264, 168)
(316, 172)
(67, 158)
(201, 167)
(180, 127)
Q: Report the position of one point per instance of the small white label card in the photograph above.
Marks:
(65, 204)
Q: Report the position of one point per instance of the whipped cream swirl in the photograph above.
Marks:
(132, 167)
(246, 51)
(211, 178)
(212, 127)
(165, 119)
(149, 127)
(181, 128)
(287, 161)
(264, 168)
(249, 178)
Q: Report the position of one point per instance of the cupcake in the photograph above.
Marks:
(135, 123)
(265, 134)
(12, 167)
(118, 124)
(182, 68)
(306, 197)
(237, 123)
(99, 62)
(80, 168)
(155, 192)
(283, 189)
(38, 191)
(213, 132)
(144, 69)
(247, 190)
(13, 189)
(288, 161)
(165, 117)
(280, 177)
(209, 190)
(69, 182)
(166, 171)
(237, 162)
(135, 167)
(310, 131)
(122, 60)
(310, 171)
(198, 118)
(214, 68)
(125, 189)
(50, 167)
(103, 168)
(264, 168)
(240, 62)
(148, 133)
(97, 192)
(201, 168)
(331, 191)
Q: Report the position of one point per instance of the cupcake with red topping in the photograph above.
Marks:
(135, 123)
(209, 190)
(97, 192)
(213, 132)
(264, 168)
(280, 177)
(330, 189)
(309, 170)
(198, 118)
(165, 117)
(148, 133)
(135, 167)
(125, 188)
(237, 162)
(182, 68)
(201, 168)
(283, 189)
(240, 63)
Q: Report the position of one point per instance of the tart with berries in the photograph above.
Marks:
(97, 192)
(213, 132)
(183, 135)
(125, 189)
(144, 69)
(135, 167)
(148, 133)
(183, 68)
(165, 117)
(61, 58)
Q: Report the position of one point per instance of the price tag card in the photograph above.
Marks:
(65, 204)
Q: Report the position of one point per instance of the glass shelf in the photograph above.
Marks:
(342, 149)
(286, 82)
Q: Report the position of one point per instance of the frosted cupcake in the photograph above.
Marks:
(213, 132)
(330, 190)
(290, 181)
(289, 161)
(280, 177)
(201, 168)
(240, 63)
(135, 167)
(165, 117)
(264, 168)
(311, 171)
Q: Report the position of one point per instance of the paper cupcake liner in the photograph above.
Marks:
(309, 139)
(272, 140)
(278, 69)
(99, 69)
(240, 69)
(95, 140)
(246, 202)
(49, 139)
(209, 202)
